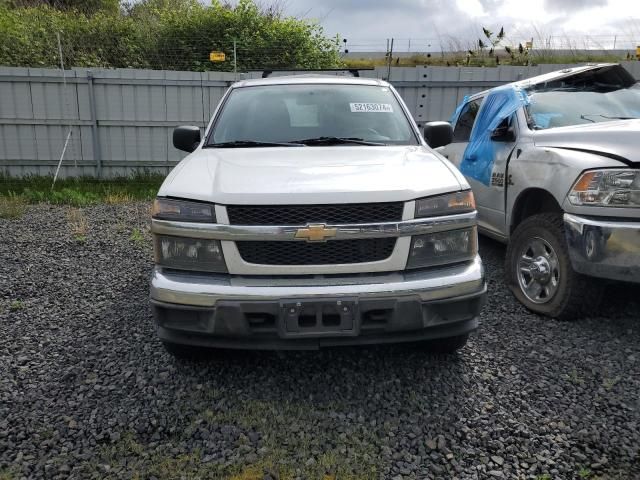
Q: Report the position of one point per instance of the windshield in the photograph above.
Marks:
(313, 115)
(576, 106)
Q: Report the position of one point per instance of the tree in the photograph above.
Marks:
(163, 34)
(87, 7)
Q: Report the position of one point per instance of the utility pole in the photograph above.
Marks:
(389, 59)
(235, 61)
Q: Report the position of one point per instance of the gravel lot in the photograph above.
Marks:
(86, 390)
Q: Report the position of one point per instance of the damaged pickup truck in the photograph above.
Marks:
(554, 163)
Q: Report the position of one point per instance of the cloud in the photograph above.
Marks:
(572, 5)
(368, 23)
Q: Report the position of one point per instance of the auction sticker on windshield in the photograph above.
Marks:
(371, 107)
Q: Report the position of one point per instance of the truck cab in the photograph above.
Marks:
(554, 165)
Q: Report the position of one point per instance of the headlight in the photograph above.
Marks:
(184, 253)
(443, 247)
(607, 188)
(183, 210)
(456, 202)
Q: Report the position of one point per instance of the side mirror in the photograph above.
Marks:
(438, 134)
(186, 138)
(503, 134)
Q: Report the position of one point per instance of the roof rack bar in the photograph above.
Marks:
(268, 71)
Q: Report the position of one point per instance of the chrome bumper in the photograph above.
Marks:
(206, 290)
(604, 248)
(314, 311)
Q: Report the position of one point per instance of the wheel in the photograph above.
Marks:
(539, 273)
(447, 345)
(593, 244)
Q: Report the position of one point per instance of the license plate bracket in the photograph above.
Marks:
(326, 317)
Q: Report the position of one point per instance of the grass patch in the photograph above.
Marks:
(78, 224)
(575, 378)
(460, 59)
(79, 191)
(137, 236)
(288, 453)
(584, 473)
(12, 206)
(16, 306)
(608, 383)
(8, 474)
(284, 453)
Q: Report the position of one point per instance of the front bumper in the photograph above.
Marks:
(604, 248)
(310, 312)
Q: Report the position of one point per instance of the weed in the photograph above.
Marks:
(609, 383)
(117, 198)
(126, 446)
(8, 474)
(584, 473)
(16, 305)
(137, 236)
(78, 224)
(12, 206)
(575, 378)
(544, 476)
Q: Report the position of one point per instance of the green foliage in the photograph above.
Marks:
(16, 305)
(584, 472)
(136, 236)
(88, 7)
(12, 206)
(78, 192)
(163, 34)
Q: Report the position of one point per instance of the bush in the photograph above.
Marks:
(163, 34)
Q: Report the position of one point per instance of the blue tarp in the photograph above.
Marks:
(500, 103)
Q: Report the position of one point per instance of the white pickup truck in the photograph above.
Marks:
(554, 163)
(313, 213)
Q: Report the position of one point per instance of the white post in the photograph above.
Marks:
(64, 83)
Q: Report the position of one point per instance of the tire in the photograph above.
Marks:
(537, 260)
(593, 244)
(448, 345)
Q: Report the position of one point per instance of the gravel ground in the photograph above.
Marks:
(87, 391)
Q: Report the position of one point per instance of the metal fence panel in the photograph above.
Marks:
(121, 120)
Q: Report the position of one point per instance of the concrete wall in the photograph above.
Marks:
(121, 120)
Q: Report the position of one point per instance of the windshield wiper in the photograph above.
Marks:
(337, 141)
(251, 143)
(585, 115)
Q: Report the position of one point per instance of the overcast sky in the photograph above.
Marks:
(367, 23)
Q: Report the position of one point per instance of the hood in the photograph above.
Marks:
(308, 175)
(618, 139)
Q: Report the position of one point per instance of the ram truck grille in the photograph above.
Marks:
(325, 253)
(304, 214)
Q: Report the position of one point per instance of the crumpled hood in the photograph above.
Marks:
(620, 138)
(307, 175)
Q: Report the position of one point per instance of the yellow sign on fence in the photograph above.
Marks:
(638, 52)
(217, 56)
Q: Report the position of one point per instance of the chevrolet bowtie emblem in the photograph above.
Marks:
(316, 233)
